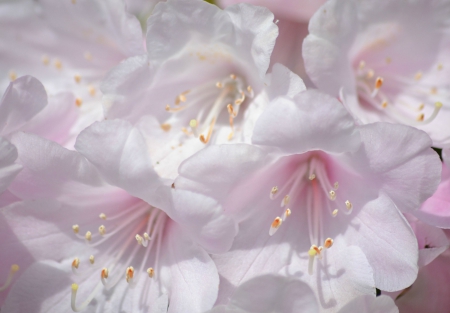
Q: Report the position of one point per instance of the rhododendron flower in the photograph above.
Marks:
(69, 46)
(121, 252)
(339, 190)
(389, 59)
(436, 210)
(202, 76)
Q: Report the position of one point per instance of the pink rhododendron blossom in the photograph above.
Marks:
(120, 252)
(388, 58)
(436, 210)
(339, 189)
(203, 74)
(271, 293)
(69, 46)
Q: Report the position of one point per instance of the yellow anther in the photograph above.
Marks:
(349, 205)
(232, 76)
(45, 60)
(104, 273)
(219, 85)
(76, 262)
(77, 78)
(88, 236)
(193, 123)
(285, 200)
(287, 212)
(166, 127)
(433, 90)
(150, 272)
(418, 75)
(14, 268)
(312, 252)
(440, 67)
(370, 74)
(75, 228)
(102, 216)
(275, 225)
(420, 117)
(335, 212)
(273, 192)
(378, 83)
(384, 104)
(78, 102)
(332, 194)
(438, 105)
(102, 230)
(328, 243)
(92, 259)
(74, 287)
(312, 176)
(91, 90)
(58, 64)
(249, 89)
(12, 75)
(129, 273)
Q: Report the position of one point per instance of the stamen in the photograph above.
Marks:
(14, 268)
(420, 117)
(328, 243)
(362, 64)
(45, 60)
(12, 75)
(219, 85)
(58, 64)
(275, 225)
(78, 102)
(172, 110)
(88, 236)
(180, 98)
(370, 74)
(193, 124)
(418, 75)
(102, 216)
(312, 176)
(150, 272)
(378, 84)
(349, 205)
(77, 78)
(273, 192)
(336, 186)
(75, 228)
(335, 212)
(104, 273)
(440, 67)
(139, 239)
(384, 104)
(129, 274)
(232, 76)
(166, 127)
(250, 91)
(75, 263)
(285, 200)
(332, 194)
(241, 99)
(85, 303)
(91, 90)
(92, 259)
(102, 230)
(146, 236)
(210, 130)
(311, 253)
(286, 214)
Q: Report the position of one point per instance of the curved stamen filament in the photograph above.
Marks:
(14, 268)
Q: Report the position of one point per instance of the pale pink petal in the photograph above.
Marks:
(370, 304)
(24, 98)
(311, 121)
(408, 167)
(203, 219)
(187, 272)
(283, 82)
(388, 242)
(436, 209)
(8, 168)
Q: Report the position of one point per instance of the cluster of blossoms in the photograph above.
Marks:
(191, 157)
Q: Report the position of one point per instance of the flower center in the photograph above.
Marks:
(310, 179)
(204, 104)
(381, 92)
(139, 218)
